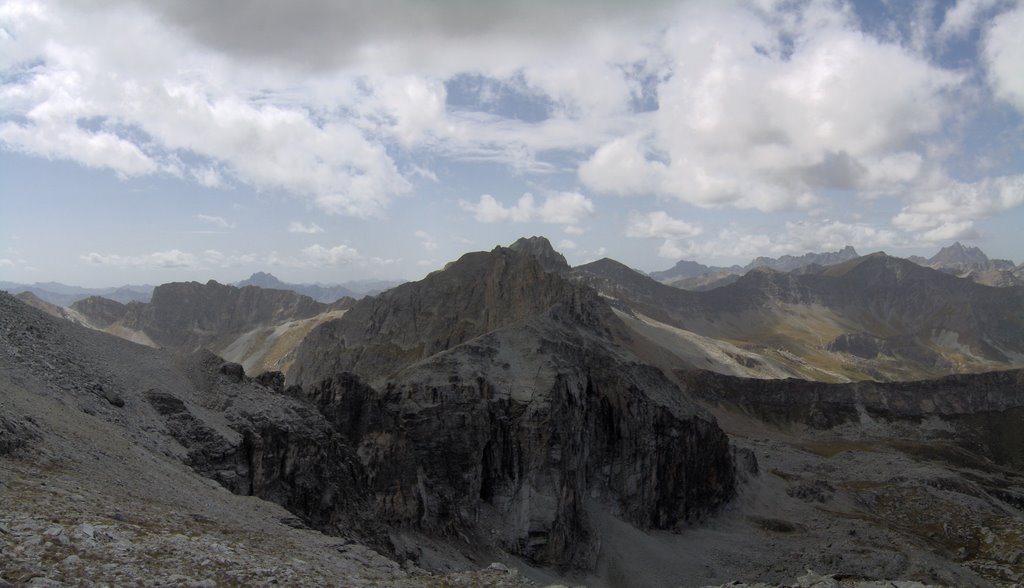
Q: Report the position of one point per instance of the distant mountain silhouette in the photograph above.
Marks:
(691, 275)
(973, 264)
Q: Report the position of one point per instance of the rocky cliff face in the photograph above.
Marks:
(189, 315)
(494, 399)
(985, 409)
(185, 314)
(505, 445)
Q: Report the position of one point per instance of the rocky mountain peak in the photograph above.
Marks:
(540, 247)
(957, 253)
(263, 280)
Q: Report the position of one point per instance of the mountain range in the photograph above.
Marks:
(64, 295)
(872, 317)
(584, 425)
(956, 259)
(320, 292)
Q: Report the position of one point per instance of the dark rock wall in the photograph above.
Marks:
(438, 457)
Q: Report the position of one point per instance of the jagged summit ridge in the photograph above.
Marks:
(957, 253)
(474, 295)
(541, 248)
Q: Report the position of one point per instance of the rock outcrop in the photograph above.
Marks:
(519, 456)
(495, 399)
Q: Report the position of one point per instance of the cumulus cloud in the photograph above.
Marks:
(6, 262)
(146, 99)
(337, 255)
(568, 208)
(769, 106)
(566, 245)
(310, 229)
(963, 17)
(1004, 54)
(659, 225)
(942, 209)
(746, 121)
(216, 221)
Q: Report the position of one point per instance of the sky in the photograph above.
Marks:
(149, 141)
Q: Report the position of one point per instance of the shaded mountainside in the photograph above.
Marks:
(905, 321)
(256, 327)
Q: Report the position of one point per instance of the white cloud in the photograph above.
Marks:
(426, 240)
(659, 225)
(566, 245)
(6, 263)
(208, 177)
(216, 221)
(310, 229)
(145, 99)
(745, 121)
(338, 255)
(964, 17)
(1004, 54)
(568, 208)
(622, 167)
(752, 105)
(65, 140)
(941, 209)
